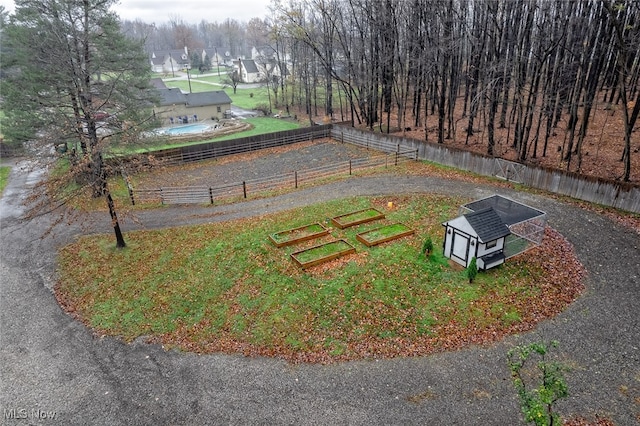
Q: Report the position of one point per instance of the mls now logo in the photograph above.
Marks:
(22, 413)
(15, 413)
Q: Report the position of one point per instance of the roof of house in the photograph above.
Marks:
(158, 83)
(510, 211)
(487, 224)
(171, 96)
(176, 96)
(217, 97)
(249, 65)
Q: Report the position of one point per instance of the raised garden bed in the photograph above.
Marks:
(384, 234)
(299, 234)
(357, 217)
(322, 253)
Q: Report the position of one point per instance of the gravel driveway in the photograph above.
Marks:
(51, 365)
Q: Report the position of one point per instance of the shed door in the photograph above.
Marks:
(460, 247)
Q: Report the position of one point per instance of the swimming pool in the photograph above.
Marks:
(189, 129)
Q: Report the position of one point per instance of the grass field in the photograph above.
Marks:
(4, 177)
(226, 287)
(260, 126)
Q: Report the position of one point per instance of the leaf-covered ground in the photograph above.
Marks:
(226, 288)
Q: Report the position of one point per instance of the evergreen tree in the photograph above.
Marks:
(73, 80)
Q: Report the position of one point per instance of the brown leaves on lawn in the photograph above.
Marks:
(557, 282)
(416, 319)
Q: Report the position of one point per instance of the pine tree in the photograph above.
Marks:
(68, 68)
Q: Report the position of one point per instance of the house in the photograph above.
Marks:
(248, 71)
(169, 61)
(217, 56)
(478, 231)
(175, 105)
(269, 62)
(480, 234)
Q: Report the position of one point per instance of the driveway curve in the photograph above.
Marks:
(53, 367)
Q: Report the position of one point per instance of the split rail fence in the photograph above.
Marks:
(211, 194)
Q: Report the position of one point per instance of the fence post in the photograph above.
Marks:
(295, 178)
(211, 194)
(396, 160)
(161, 197)
(244, 188)
(349, 167)
(133, 201)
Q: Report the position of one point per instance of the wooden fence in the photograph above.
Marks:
(211, 150)
(211, 194)
(610, 193)
(600, 191)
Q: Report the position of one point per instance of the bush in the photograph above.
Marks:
(427, 247)
(472, 270)
(537, 403)
(263, 108)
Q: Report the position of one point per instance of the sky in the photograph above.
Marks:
(190, 11)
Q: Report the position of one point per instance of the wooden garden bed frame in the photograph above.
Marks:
(297, 235)
(343, 221)
(368, 239)
(322, 258)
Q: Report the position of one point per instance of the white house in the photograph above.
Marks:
(169, 61)
(248, 71)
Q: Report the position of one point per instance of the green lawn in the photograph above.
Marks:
(261, 125)
(226, 287)
(4, 177)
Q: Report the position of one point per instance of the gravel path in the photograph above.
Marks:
(50, 362)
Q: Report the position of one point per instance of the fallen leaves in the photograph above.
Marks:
(271, 308)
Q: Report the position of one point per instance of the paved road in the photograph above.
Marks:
(50, 365)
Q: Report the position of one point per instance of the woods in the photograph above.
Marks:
(532, 68)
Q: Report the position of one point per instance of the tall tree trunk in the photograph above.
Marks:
(120, 243)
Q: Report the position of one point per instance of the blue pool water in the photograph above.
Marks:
(186, 130)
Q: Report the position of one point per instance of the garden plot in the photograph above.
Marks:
(298, 235)
(384, 234)
(356, 218)
(322, 253)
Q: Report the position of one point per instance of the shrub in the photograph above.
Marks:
(427, 247)
(472, 270)
(537, 403)
(264, 108)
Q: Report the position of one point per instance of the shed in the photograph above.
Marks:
(480, 231)
(480, 234)
(526, 223)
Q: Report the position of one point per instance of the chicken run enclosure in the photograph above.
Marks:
(526, 224)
